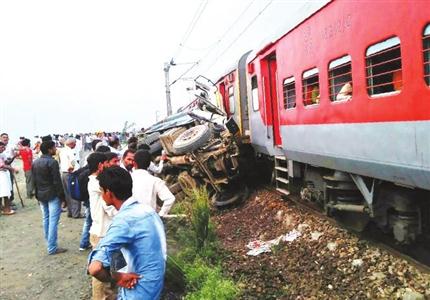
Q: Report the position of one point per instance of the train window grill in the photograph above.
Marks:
(254, 91)
(384, 68)
(289, 93)
(426, 53)
(340, 79)
(231, 99)
(311, 90)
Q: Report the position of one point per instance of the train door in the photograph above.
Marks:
(271, 97)
(244, 113)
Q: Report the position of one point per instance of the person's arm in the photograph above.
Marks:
(10, 168)
(34, 174)
(56, 178)
(118, 234)
(166, 196)
(125, 280)
(156, 169)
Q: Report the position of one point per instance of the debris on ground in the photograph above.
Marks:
(325, 262)
(257, 247)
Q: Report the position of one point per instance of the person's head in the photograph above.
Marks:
(142, 159)
(116, 185)
(112, 159)
(132, 146)
(143, 147)
(48, 148)
(71, 143)
(114, 142)
(94, 144)
(103, 149)
(128, 159)
(2, 147)
(4, 138)
(96, 162)
(46, 138)
(25, 142)
(133, 139)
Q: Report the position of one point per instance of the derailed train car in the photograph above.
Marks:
(341, 105)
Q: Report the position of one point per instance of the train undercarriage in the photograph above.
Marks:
(356, 200)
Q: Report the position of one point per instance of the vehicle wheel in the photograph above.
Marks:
(175, 188)
(192, 139)
(151, 138)
(187, 183)
(155, 147)
(230, 196)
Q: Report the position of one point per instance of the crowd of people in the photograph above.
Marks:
(118, 191)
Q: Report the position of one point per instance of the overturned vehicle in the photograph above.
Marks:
(203, 148)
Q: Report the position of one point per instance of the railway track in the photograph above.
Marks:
(417, 255)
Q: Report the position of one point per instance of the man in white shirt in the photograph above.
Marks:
(127, 162)
(69, 164)
(146, 188)
(102, 216)
(9, 154)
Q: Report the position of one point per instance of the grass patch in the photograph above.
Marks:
(196, 263)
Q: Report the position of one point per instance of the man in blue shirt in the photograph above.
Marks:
(138, 232)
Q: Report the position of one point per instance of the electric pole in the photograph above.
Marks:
(166, 76)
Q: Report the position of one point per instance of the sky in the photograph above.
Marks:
(84, 66)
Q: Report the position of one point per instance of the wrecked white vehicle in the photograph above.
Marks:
(202, 149)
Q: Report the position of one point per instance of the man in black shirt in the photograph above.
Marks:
(49, 193)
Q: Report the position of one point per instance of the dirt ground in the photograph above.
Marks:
(324, 262)
(26, 271)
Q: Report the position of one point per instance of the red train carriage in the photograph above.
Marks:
(342, 102)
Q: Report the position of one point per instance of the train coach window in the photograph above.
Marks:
(426, 53)
(289, 93)
(254, 91)
(311, 90)
(384, 67)
(231, 99)
(340, 79)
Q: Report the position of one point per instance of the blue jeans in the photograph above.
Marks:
(51, 211)
(85, 239)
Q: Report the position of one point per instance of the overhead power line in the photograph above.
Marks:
(239, 35)
(198, 13)
(214, 45)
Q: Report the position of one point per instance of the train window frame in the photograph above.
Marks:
(288, 82)
(426, 54)
(340, 82)
(381, 52)
(254, 93)
(231, 100)
(307, 76)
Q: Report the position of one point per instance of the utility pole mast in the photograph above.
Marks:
(166, 76)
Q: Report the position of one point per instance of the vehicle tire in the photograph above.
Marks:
(187, 183)
(151, 138)
(175, 188)
(231, 196)
(192, 139)
(155, 147)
